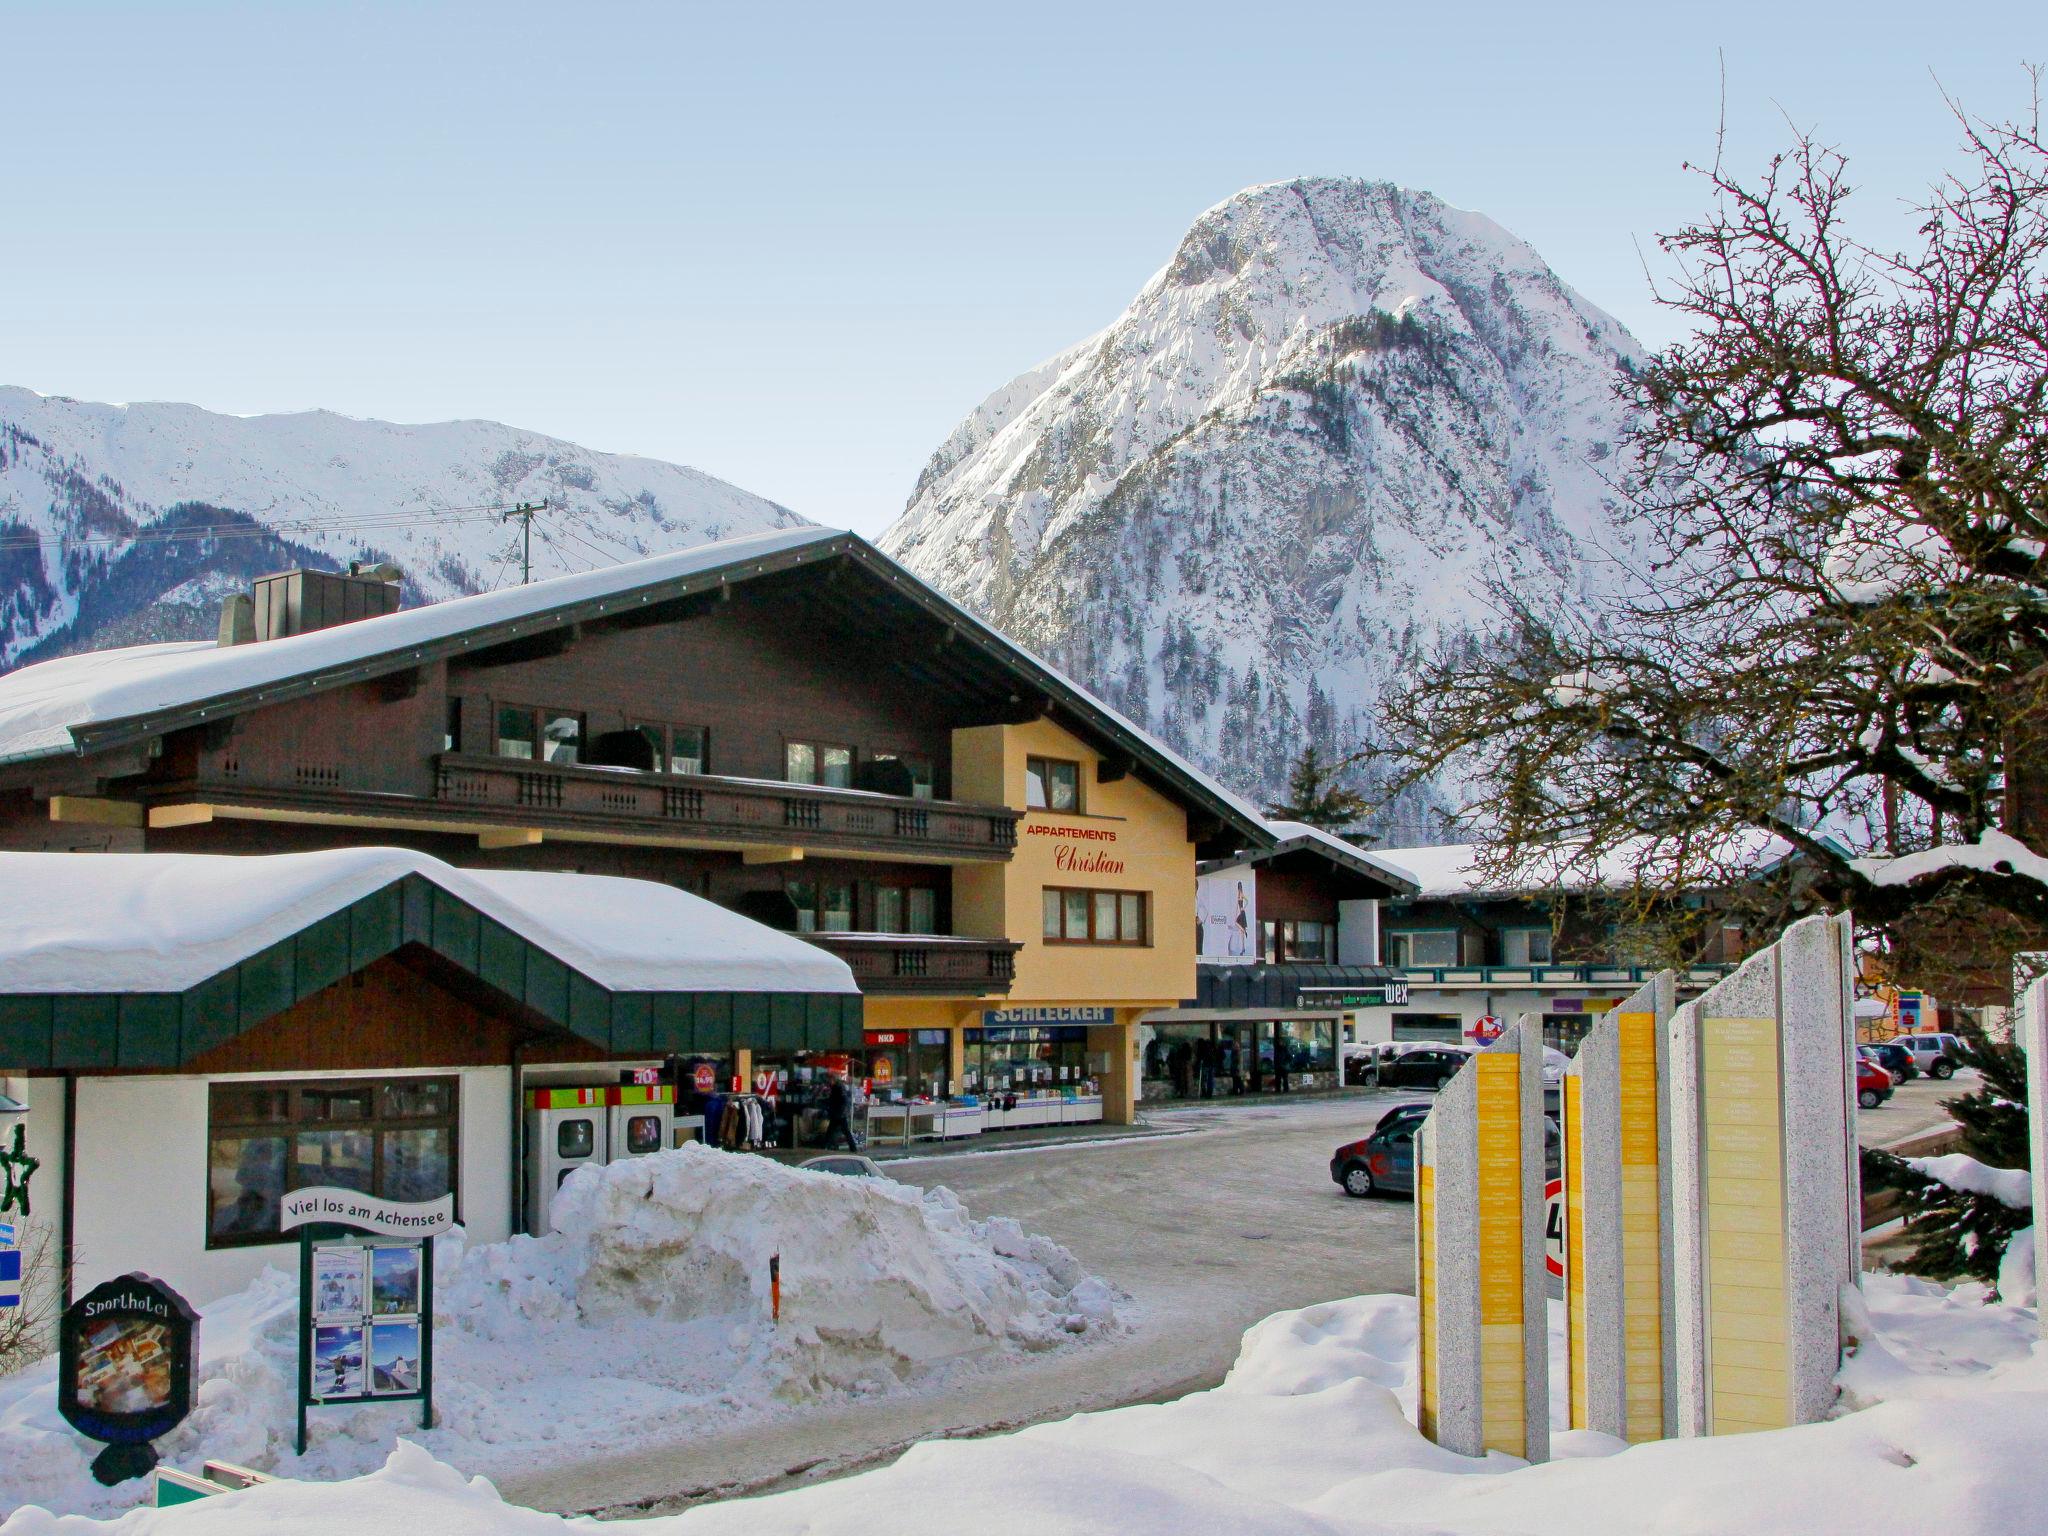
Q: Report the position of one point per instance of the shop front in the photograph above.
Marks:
(368, 1018)
(1265, 1028)
(1195, 1055)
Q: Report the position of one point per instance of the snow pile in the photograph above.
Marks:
(2012, 1187)
(1310, 1436)
(643, 1319)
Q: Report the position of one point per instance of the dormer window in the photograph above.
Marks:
(1052, 784)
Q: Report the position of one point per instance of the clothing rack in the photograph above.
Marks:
(738, 1121)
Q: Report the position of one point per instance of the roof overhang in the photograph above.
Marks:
(1037, 685)
(121, 1025)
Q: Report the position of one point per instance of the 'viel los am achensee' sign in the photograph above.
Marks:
(366, 1213)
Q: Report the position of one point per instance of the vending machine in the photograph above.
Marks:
(642, 1117)
(566, 1128)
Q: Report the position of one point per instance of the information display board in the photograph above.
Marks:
(1743, 1196)
(366, 1300)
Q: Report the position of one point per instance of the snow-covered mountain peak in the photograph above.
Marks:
(1287, 465)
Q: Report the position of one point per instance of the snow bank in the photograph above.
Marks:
(643, 1318)
(1309, 1436)
(2012, 1187)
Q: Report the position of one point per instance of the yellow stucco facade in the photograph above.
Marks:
(1125, 837)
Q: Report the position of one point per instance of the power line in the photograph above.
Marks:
(525, 512)
(160, 534)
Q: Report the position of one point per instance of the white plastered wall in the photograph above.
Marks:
(140, 1202)
(1358, 932)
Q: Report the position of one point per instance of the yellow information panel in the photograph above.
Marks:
(1642, 1281)
(1501, 1345)
(1576, 1323)
(1425, 1297)
(1749, 1374)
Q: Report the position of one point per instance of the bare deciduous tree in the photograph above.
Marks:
(1831, 620)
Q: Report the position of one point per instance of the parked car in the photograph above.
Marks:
(1384, 1162)
(1429, 1066)
(1416, 1111)
(1895, 1059)
(1936, 1055)
(851, 1164)
(1873, 1083)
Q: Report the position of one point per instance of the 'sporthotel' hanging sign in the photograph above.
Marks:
(125, 1353)
(366, 1213)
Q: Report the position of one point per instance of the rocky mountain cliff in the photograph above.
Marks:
(88, 493)
(1282, 474)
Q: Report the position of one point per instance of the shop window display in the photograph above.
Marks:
(395, 1140)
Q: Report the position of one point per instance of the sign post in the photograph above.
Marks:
(125, 1357)
(366, 1298)
(1483, 1355)
(1616, 1175)
(1763, 1139)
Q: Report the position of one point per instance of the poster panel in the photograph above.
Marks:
(1227, 916)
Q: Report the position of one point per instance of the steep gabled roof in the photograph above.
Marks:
(1290, 837)
(106, 699)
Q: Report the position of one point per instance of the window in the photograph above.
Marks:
(1525, 946)
(395, 1139)
(1094, 917)
(918, 767)
(1426, 946)
(901, 910)
(676, 748)
(451, 731)
(810, 762)
(1051, 784)
(822, 906)
(1294, 940)
(554, 735)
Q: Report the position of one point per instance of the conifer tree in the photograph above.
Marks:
(1317, 794)
(1957, 1234)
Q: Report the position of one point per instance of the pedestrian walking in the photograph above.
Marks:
(838, 1112)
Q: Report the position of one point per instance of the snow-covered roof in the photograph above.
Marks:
(52, 708)
(164, 922)
(43, 707)
(1342, 849)
(1452, 869)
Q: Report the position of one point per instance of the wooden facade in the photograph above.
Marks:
(828, 647)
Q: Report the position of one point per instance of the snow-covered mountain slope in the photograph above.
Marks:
(79, 480)
(1283, 473)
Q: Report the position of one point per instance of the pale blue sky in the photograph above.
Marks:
(793, 245)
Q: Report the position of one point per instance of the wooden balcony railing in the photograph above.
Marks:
(496, 792)
(929, 963)
(749, 810)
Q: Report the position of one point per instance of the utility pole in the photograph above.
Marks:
(525, 512)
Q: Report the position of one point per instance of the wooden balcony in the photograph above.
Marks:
(544, 795)
(940, 965)
(507, 800)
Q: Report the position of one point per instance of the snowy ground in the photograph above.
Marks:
(642, 1321)
(1310, 1436)
(1208, 1231)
